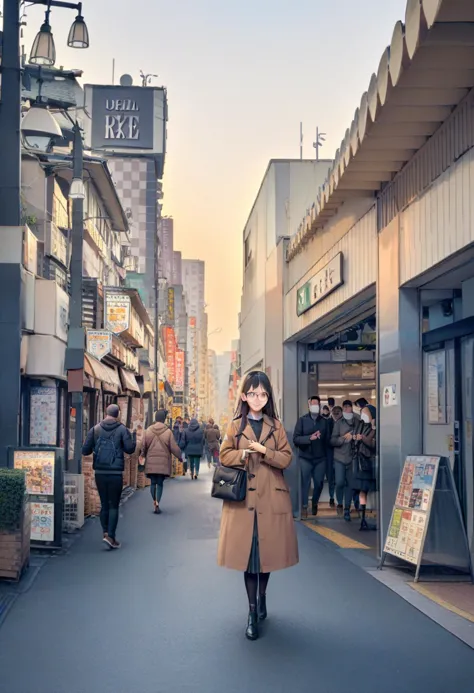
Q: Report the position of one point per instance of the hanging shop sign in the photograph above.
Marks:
(118, 309)
(171, 304)
(320, 285)
(427, 522)
(43, 415)
(179, 376)
(99, 343)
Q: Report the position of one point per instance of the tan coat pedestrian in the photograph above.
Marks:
(267, 495)
(157, 447)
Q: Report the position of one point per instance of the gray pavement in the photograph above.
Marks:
(160, 616)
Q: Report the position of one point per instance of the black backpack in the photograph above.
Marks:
(105, 450)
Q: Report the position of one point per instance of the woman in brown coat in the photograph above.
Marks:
(157, 447)
(257, 536)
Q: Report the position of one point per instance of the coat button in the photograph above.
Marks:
(252, 489)
(251, 509)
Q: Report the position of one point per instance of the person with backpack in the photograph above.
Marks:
(158, 445)
(108, 442)
(192, 444)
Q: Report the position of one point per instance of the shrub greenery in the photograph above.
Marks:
(12, 497)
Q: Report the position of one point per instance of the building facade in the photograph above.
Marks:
(378, 275)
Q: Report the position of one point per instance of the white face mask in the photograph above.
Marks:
(365, 418)
(314, 408)
(348, 416)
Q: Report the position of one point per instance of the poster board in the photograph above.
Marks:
(426, 521)
(43, 415)
(44, 485)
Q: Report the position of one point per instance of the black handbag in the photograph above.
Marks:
(229, 483)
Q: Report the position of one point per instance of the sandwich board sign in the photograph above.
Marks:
(426, 527)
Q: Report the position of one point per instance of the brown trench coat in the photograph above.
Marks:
(158, 445)
(267, 495)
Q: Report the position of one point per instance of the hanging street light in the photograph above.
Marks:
(78, 33)
(39, 128)
(43, 50)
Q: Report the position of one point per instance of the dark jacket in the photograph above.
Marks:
(363, 452)
(313, 450)
(177, 433)
(123, 440)
(192, 441)
(342, 447)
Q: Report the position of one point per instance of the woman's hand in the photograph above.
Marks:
(256, 447)
(358, 436)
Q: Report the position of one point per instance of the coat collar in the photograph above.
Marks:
(268, 426)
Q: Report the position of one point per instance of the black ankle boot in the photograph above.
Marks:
(262, 607)
(363, 524)
(252, 626)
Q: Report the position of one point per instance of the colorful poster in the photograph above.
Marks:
(389, 396)
(99, 343)
(43, 416)
(39, 470)
(405, 537)
(118, 309)
(437, 387)
(179, 369)
(42, 521)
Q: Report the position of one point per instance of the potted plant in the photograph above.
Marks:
(15, 524)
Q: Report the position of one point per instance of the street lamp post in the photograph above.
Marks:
(11, 269)
(74, 364)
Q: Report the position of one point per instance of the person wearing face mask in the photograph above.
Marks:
(311, 436)
(363, 458)
(341, 442)
(330, 455)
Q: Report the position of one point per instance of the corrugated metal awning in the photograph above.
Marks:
(129, 381)
(108, 376)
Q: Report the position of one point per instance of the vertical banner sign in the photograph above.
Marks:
(179, 369)
(171, 305)
(118, 309)
(171, 354)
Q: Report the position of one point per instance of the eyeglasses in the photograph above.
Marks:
(262, 396)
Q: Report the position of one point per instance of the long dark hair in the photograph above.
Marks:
(253, 380)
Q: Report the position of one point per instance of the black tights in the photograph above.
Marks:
(252, 581)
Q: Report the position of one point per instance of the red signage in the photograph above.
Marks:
(171, 354)
(179, 383)
(192, 322)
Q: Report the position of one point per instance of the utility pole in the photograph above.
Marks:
(320, 138)
(301, 140)
(74, 364)
(10, 216)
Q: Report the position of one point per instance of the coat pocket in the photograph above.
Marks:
(281, 501)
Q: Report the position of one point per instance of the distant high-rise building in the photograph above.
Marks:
(193, 282)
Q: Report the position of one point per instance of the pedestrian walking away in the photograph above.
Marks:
(192, 444)
(363, 459)
(312, 436)
(257, 535)
(108, 441)
(341, 442)
(213, 438)
(158, 446)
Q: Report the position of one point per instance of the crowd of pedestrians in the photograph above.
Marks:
(337, 444)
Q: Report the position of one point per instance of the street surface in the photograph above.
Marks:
(160, 616)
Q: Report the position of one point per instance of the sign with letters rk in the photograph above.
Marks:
(122, 117)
